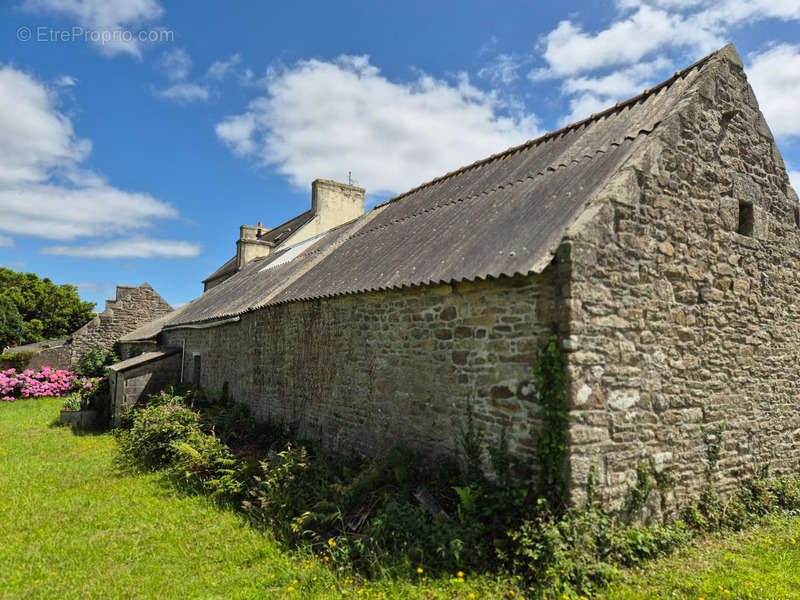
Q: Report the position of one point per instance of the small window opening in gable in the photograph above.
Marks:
(746, 219)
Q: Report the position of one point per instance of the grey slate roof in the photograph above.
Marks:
(274, 235)
(143, 359)
(500, 216)
(228, 267)
(282, 231)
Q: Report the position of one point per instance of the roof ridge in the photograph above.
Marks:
(542, 172)
(552, 134)
(286, 222)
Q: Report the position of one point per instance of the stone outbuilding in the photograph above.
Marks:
(658, 240)
(131, 308)
(140, 376)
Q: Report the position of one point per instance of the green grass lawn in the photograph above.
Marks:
(761, 563)
(72, 527)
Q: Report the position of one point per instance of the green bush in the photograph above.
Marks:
(288, 487)
(16, 360)
(150, 442)
(578, 552)
(202, 463)
(95, 362)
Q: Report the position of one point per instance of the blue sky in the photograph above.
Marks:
(137, 135)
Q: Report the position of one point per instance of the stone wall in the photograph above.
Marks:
(130, 386)
(131, 349)
(59, 357)
(679, 323)
(132, 308)
(365, 372)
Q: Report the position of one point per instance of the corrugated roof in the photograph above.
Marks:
(500, 216)
(143, 359)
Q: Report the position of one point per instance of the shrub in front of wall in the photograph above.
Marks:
(202, 463)
(95, 362)
(289, 484)
(150, 443)
(579, 551)
(17, 361)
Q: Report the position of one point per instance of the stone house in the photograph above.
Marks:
(131, 308)
(657, 239)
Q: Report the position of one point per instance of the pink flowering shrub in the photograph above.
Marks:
(47, 382)
(87, 394)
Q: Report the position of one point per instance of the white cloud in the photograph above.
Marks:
(619, 84)
(138, 247)
(570, 51)
(643, 28)
(175, 64)
(220, 69)
(645, 39)
(323, 119)
(775, 77)
(44, 191)
(184, 92)
(593, 94)
(583, 106)
(103, 16)
(57, 212)
(34, 136)
(501, 70)
(66, 81)
(239, 131)
(6, 242)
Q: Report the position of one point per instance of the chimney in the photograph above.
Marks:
(335, 203)
(249, 246)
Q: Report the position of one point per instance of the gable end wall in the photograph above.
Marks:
(132, 308)
(678, 322)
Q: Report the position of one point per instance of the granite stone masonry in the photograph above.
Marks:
(363, 373)
(659, 240)
(684, 302)
(133, 307)
(131, 381)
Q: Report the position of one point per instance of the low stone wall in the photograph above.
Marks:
(363, 373)
(58, 358)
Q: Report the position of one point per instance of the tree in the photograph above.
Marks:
(47, 310)
(11, 328)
